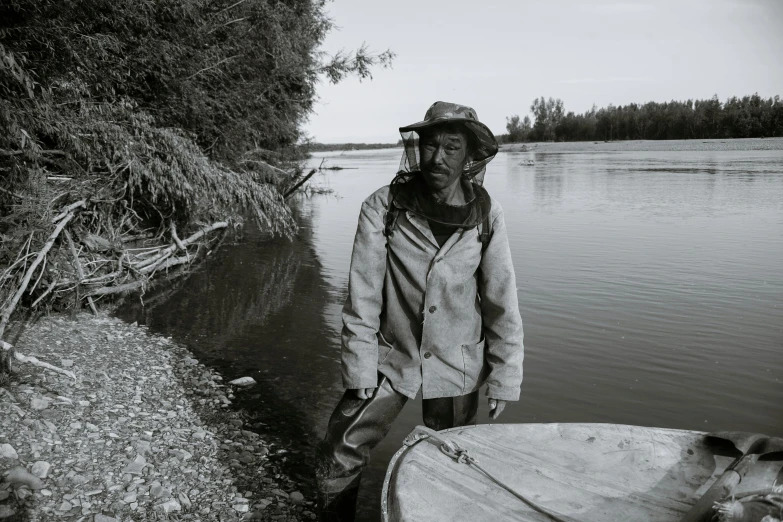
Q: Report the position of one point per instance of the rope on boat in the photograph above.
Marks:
(462, 456)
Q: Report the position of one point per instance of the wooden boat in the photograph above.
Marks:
(579, 472)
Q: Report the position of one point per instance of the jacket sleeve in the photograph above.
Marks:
(362, 310)
(502, 321)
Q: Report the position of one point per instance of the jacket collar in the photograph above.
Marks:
(412, 194)
(422, 226)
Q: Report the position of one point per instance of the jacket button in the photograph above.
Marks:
(427, 355)
(433, 308)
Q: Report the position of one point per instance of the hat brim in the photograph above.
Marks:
(488, 144)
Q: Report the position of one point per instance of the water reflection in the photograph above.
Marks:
(548, 180)
(515, 180)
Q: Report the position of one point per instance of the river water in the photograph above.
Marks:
(650, 281)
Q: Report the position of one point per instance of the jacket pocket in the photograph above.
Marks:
(473, 361)
(384, 348)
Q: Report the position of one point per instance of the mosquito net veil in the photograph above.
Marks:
(410, 192)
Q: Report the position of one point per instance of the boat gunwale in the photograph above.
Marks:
(409, 444)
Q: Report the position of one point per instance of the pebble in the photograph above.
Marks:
(39, 404)
(181, 454)
(136, 466)
(184, 500)
(243, 381)
(142, 447)
(263, 503)
(296, 497)
(159, 491)
(8, 451)
(241, 508)
(41, 469)
(246, 458)
(169, 506)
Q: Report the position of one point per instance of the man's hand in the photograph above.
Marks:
(496, 407)
(365, 393)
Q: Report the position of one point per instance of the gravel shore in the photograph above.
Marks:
(144, 432)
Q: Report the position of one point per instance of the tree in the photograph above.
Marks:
(155, 118)
(548, 114)
(518, 131)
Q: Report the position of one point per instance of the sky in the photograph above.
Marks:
(498, 55)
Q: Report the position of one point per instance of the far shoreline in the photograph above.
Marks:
(693, 144)
(718, 144)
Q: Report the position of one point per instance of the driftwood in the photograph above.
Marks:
(300, 183)
(46, 293)
(6, 315)
(29, 359)
(79, 270)
(161, 261)
(166, 252)
(178, 241)
(38, 270)
(68, 210)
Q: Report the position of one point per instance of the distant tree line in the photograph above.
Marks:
(746, 117)
(326, 147)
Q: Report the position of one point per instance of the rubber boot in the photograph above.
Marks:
(337, 499)
(355, 427)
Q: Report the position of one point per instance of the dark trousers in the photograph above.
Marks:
(357, 426)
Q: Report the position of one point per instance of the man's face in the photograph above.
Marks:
(443, 154)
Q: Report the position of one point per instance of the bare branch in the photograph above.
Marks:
(178, 241)
(225, 24)
(26, 281)
(10, 153)
(46, 292)
(35, 362)
(230, 7)
(14, 194)
(301, 182)
(79, 270)
(70, 208)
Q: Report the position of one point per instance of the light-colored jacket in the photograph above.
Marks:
(445, 319)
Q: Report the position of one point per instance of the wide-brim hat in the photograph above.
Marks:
(442, 112)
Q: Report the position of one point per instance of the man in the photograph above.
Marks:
(432, 301)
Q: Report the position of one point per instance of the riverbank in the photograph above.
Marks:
(144, 432)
